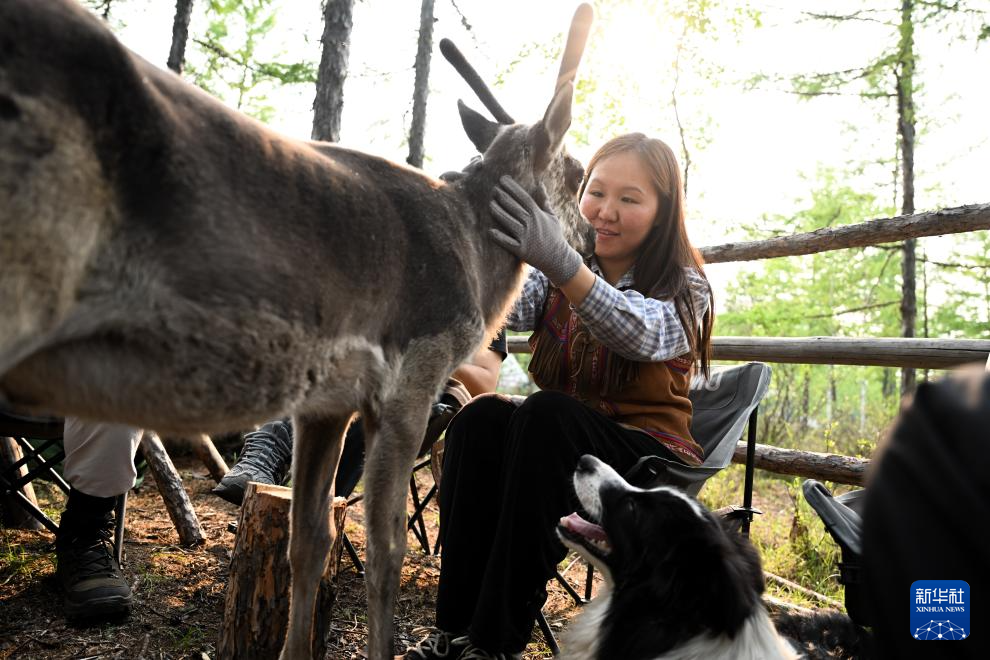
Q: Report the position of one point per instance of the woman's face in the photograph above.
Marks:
(621, 204)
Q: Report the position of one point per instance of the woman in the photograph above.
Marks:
(614, 344)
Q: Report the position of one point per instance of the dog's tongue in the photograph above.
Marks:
(579, 525)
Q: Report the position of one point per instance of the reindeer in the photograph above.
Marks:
(172, 264)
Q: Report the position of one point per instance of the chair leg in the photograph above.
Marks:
(120, 510)
(541, 621)
(569, 589)
(352, 553)
(750, 468)
(588, 581)
(34, 511)
(436, 547)
(415, 521)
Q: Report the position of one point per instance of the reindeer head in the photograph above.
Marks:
(533, 155)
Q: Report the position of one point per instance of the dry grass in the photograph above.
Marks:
(179, 592)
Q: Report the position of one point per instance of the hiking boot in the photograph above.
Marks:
(437, 645)
(266, 458)
(87, 569)
(472, 652)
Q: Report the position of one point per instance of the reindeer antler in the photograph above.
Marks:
(461, 65)
(577, 38)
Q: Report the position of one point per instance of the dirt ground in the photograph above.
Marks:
(179, 592)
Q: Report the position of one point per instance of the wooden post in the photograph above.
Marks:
(13, 514)
(169, 483)
(207, 452)
(256, 608)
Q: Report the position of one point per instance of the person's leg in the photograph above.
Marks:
(546, 437)
(99, 467)
(267, 458)
(469, 499)
(474, 453)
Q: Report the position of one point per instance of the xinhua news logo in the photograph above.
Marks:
(940, 610)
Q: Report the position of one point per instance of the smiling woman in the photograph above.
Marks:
(615, 340)
(621, 203)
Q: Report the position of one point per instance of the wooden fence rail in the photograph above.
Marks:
(807, 464)
(955, 220)
(883, 352)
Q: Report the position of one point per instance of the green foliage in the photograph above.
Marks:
(847, 293)
(16, 560)
(788, 534)
(958, 292)
(236, 68)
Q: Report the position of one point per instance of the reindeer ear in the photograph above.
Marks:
(479, 130)
(549, 133)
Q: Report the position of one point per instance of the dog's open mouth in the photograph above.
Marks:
(586, 534)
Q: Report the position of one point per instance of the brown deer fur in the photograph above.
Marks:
(175, 265)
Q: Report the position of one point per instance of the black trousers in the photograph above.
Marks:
(507, 480)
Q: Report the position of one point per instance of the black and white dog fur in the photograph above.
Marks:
(677, 584)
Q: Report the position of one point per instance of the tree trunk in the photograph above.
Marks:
(12, 514)
(906, 130)
(180, 34)
(329, 103)
(421, 88)
(169, 484)
(256, 607)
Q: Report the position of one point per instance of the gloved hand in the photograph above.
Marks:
(532, 234)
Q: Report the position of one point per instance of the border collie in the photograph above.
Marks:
(678, 585)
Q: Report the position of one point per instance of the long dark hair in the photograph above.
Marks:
(666, 251)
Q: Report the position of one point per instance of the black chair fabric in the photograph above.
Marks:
(843, 520)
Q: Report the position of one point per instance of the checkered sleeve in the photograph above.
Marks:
(526, 312)
(637, 327)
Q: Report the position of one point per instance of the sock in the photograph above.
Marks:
(88, 506)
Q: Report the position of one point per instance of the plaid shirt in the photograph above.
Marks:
(634, 326)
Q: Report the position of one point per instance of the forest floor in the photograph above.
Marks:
(179, 592)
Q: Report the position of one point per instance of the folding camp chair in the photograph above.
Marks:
(842, 516)
(39, 439)
(429, 456)
(723, 405)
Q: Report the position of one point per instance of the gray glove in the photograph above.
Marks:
(532, 234)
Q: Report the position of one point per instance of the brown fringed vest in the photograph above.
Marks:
(648, 396)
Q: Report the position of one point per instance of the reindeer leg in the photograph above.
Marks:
(391, 454)
(317, 443)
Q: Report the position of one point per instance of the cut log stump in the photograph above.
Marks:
(256, 608)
